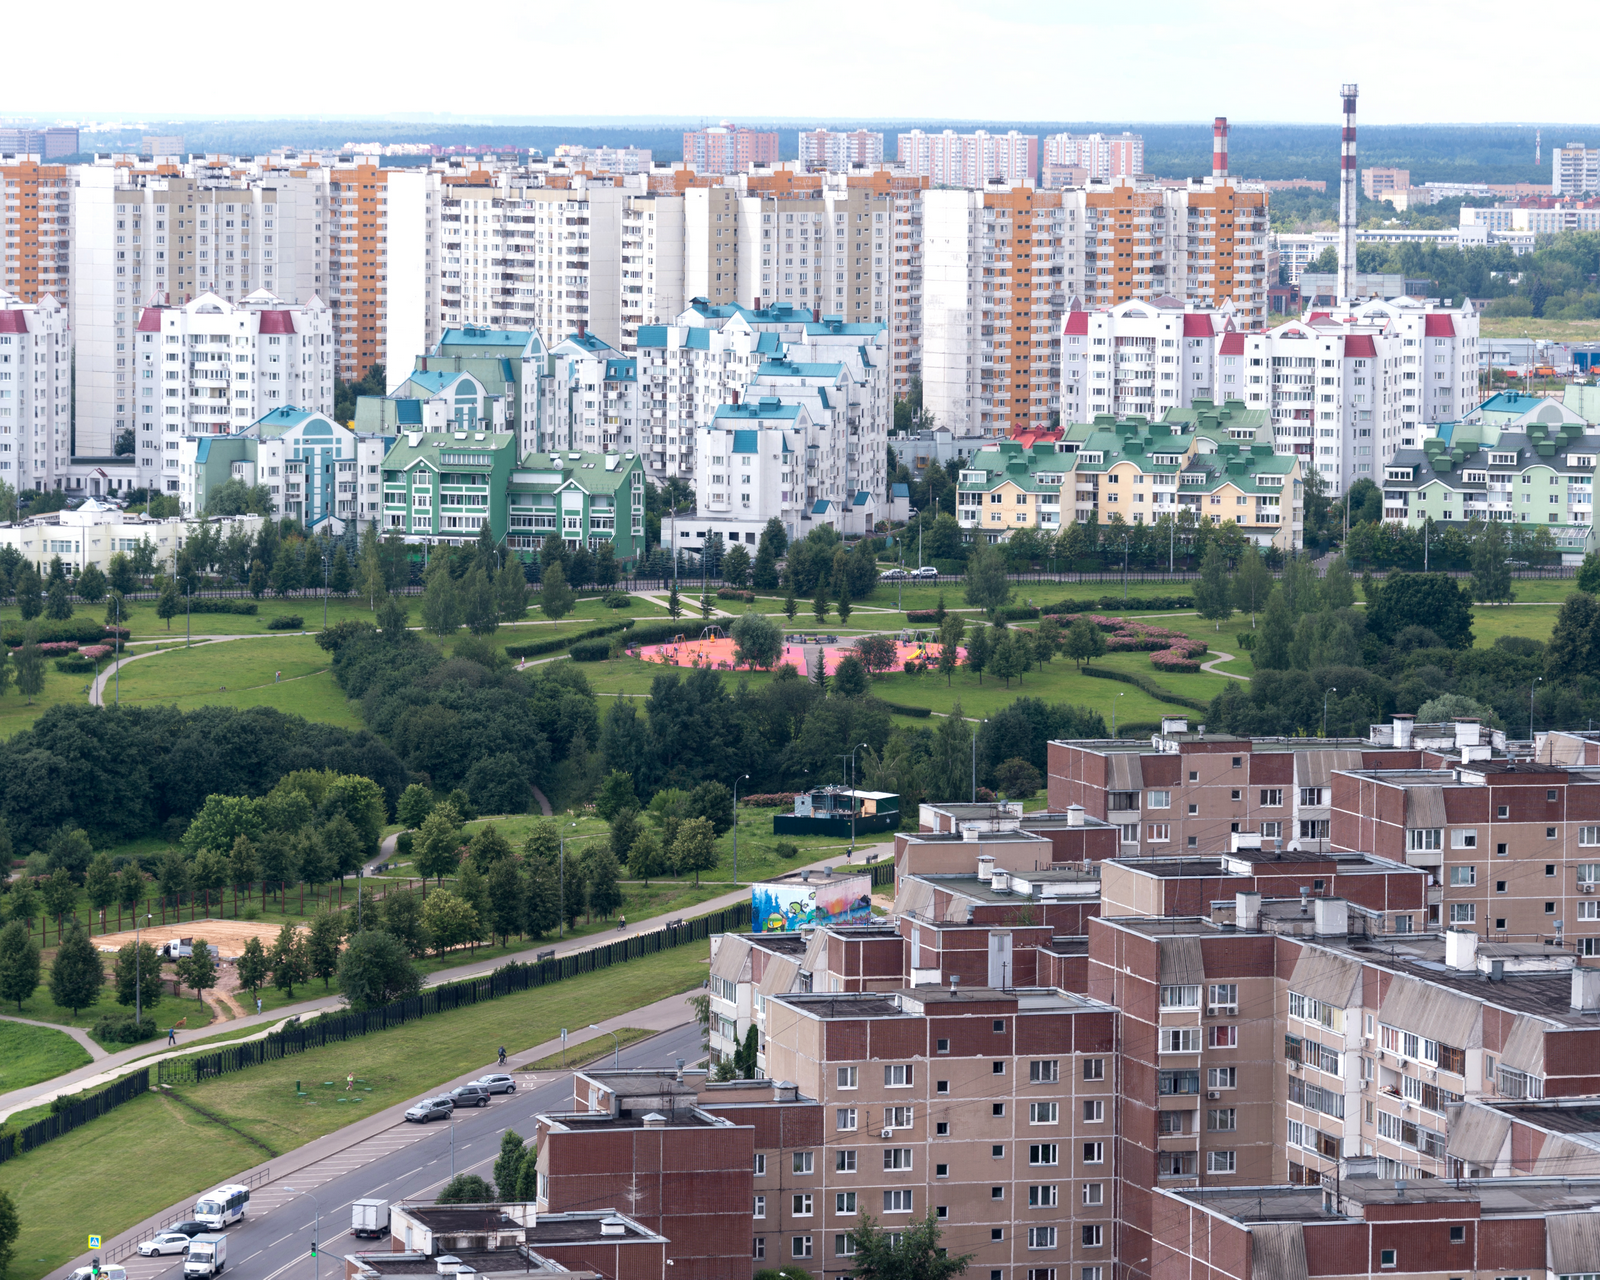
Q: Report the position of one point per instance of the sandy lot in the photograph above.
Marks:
(228, 936)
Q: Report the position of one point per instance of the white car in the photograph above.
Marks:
(892, 575)
(165, 1242)
(497, 1083)
(927, 571)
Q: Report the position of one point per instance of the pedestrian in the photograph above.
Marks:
(349, 1081)
(277, 676)
(172, 1035)
(258, 1004)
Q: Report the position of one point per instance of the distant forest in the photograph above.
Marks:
(1433, 153)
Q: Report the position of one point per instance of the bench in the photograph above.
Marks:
(545, 955)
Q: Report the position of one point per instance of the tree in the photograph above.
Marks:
(764, 572)
(616, 794)
(199, 968)
(791, 605)
(1252, 583)
(341, 578)
(819, 602)
(1004, 661)
(436, 849)
(343, 845)
(978, 651)
(987, 587)
(288, 957)
(1338, 588)
(258, 581)
(100, 882)
(712, 801)
(1589, 574)
(555, 597)
(601, 874)
(253, 966)
(695, 848)
(1046, 639)
(136, 975)
(478, 607)
(441, 600)
(375, 970)
(736, 567)
(1430, 600)
(910, 1253)
(674, 602)
(322, 946)
(877, 653)
(465, 1188)
(10, 1229)
(19, 962)
(645, 858)
(1212, 598)
(757, 639)
(507, 897)
(416, 803)
(1016, 778)
(29, 660)
(508, 1165)
(951, 630)
(744, 1057)
(1085, 642)
(541, 909)
(1491, 572)
(511, 589)
(450, 920)
(91, 583)
(30, 592)
(77, 974)
(1277, 633)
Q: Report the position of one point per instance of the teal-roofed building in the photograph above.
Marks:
(583, 497)
(446, 486)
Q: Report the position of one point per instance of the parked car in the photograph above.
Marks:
(165, 1242)
(431, 1109)
(470, 1095)
(190, 1228)
(892, 575)
(497, 1083)
(926, 571)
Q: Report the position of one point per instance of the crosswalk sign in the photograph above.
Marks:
(94, 1242)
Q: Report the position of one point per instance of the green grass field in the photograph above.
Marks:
(107, 1164)
(31, 1054)
(41, 1007)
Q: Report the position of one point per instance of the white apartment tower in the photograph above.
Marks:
(1574, 170)
(833, 152)
(35, 393)
(1137, 357)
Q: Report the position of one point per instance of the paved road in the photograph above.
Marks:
(388, 1158)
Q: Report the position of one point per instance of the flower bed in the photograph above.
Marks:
(1169, 650)
(769, 800)
(1174, 660)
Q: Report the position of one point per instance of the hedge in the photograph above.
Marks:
(219, 604)
(732, 593)
(562, 642)
(661, 632)
(900, 709)
(591, 650)
(1116, 603)
(1147, 684)
(1019, 612)
(83, 630)
(922, 615)
(287, 622)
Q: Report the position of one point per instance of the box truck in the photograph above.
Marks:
(369, 1218)
(208, 1254)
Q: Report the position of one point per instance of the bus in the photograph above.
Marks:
(223, 1206)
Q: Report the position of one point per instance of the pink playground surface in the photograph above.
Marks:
(718, 654)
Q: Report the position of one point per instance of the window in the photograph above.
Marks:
(997, 1193)
(843, 1247)
(941, 1086)
(1180, 1039)
(1047, 1071)
(1386, 1258)
(1463, 913)
(1424, 838)
(1159, 799)
(1041, 1237)
(1094, 1193)
(1094, 1111)
(761, 1207)
(1463, 876)
(1463, 839)
(844, 1201)
(898, 1201)
(1094, 1153)
(760, 1250)
(844, 1161)
(1159, 832)
(896, 1158)
(1272, 797)
(1588, 836)
(941, 1171)
(1225, 1035)
(1224, 1000)
(1185, 997)
(942, 1046)
(1172, 1083)
(1222, 1077)
(1458, 1235)
(802, 1162)
(1043, 1153)
(997, 1109)
(761, 1165)
(847, 1077)
(1220, 1161)
(1091, 1273)
(1502, 811)
(1092, 1237)
(1042, 1197)
(802, 1206)
(845, 1118)
(1094, 1068)
(800, 1247)
(942, 1129)
(898, 1076)
(1222, 1120)
(998, 1068)
(1042, 1113)
(1311, 797)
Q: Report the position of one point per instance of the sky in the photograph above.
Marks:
(754, 60)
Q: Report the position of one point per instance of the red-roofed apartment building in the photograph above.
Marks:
(36, 406)
(1137, 357)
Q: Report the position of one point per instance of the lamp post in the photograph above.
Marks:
(974, 766)
(138, 971)
(316, 1230)
(853, 751)
(1325, 693)
(1114, 706)
(561, 927)
(741, 778)
(1124, 571)
(116, 642)
(616, 1057)
(325, 543)
(1537, 680)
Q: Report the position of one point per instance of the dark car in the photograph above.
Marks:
(470, 1095)
(190, 1229)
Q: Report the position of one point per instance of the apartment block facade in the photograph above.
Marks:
(951, 159)
(726, 148)
(1137, 358)
(37, 253)
(586, 498)
(1100, 156)
(1574, 170)
(834, 151)
(35, 393)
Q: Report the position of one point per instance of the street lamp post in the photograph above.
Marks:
(741, 778)
(616, 1057)
(325, 584)
(853, 751)
(1325, 693)
(1114, 706)
(138, 971)
(116, 642)
(316, 1230)
(1124, 571)
(1537, 680)
(561, 928)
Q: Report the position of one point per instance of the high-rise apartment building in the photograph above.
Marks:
(726, 148)
(951, 159)
(38, 229)
(830, 252)
(47, 144)
(35, 393)
(1099, 155)
(1136, 358)
(1377, 183)
(1574, 170)
(826, 150)
(155, 234)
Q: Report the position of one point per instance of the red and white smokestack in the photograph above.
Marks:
(1219, 147)
(1347, 196)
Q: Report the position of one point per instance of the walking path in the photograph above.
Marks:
(1219, 656)
(109, 1066)
(77, 1033)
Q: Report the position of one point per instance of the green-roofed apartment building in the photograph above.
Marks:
(585, 498)
(444, 486)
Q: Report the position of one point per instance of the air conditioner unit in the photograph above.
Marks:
(1380, 1055)
(1587, 888)
(1213, 1096)
(887, 1133)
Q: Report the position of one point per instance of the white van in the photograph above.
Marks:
(225, 1205)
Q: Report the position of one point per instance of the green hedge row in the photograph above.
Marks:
(1114, 603)
(661, 632)
(217, 604)
(1147, 684)
(559, 643)
(900, 709)
(84, 630)
(591, 650)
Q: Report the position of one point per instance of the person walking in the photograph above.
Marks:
(172, 1035)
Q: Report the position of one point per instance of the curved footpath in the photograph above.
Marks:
(109, 1066)
(77, 1033)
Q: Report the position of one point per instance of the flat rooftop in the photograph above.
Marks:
(1494, 1196)
(1563, 1117)
(915, 1001)
(683, 1117)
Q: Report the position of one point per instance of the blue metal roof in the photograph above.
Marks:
(410, 412)
(900, 491)
(436, 380)
(767, 408)
(588, 341)
(471, 336)
(622, 370)
(288, 416)
(747, 442)
(836, 325)
(862, 497)
(820, 507)
(781, 368)
(652, 335)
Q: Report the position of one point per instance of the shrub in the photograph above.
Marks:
(591, 650)
(617, 600)
(518, 651)
(769, 800)
(900, 709)
(921, 615)
(784, 849)
(1018, 612)
(122, 1029)
(1115, 602)
(733, 593)
(79, 630)
(217, 604)
(1173, 660)
(75, 665)
(402, 844)
(288, 622)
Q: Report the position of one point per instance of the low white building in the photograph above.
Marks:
(1138, 357)
(95, 532)
(35, 393)
(211, 367)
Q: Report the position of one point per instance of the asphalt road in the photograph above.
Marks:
(399, 1162)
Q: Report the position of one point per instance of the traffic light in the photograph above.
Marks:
(313, 1248)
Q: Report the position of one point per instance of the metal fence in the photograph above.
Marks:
(507, 980)
(73, 1114)
(130, 1246)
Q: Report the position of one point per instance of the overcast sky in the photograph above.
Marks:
(1156, 60)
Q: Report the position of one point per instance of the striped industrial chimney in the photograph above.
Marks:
(1347, 196)
(1219, 147)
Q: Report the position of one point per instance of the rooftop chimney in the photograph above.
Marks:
(1468, 731)
(1586, 990)
(735, 397)
(816, 315)
(655, 1120)
(1247, 911)
(1331, 917)
(1348, 196)
(583, 327)
(613, 1226)
(1461, 950)
(985, 867)
(1219, 147)
(1403, 725)
(1074, 815)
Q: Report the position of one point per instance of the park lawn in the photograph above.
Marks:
(31, 1054)
(1058, 682)
(1535, 620)
(1553, 330)
(1539, 591)
(41, 1007)
(17, 712)
(594, 1049)
(1202, 686)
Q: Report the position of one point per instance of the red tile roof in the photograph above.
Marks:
(277, 322)
(1439, 327)
(1077, 322)
(150, 320)
(1197, 326)
(1359, 344)
(1233, 344)
(13, 321)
